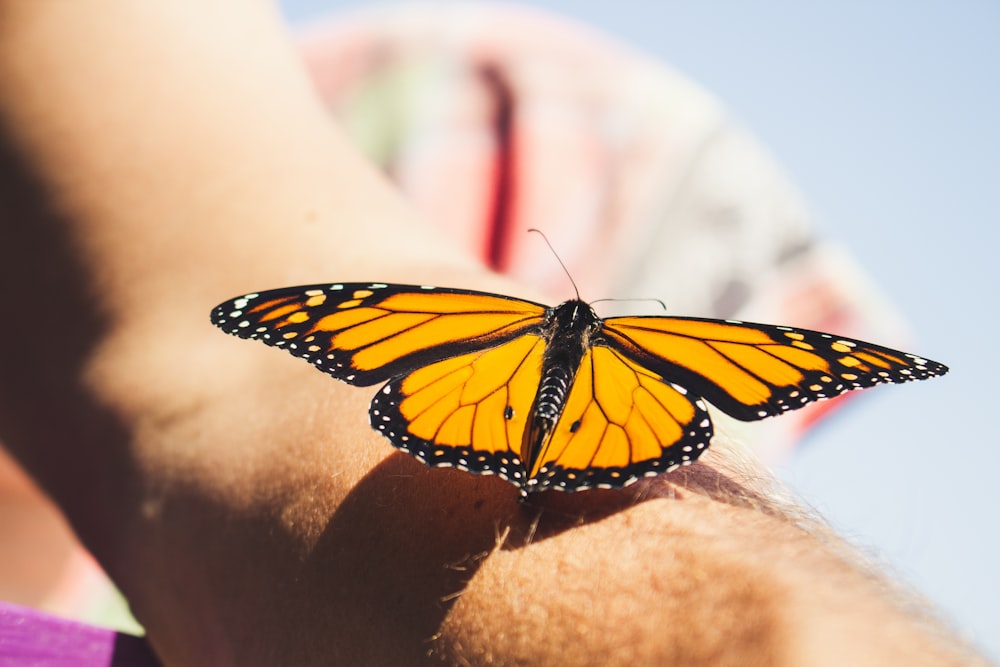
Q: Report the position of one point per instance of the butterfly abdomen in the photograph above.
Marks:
(553, 390)
(568, 331)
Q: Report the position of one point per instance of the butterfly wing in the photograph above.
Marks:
(467, 411)
(365, 333)
(752, 371)
(620, 422)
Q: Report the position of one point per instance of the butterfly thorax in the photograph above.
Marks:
(568, 332)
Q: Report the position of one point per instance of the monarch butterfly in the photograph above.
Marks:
(553, 397)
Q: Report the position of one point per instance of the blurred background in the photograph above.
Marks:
(885, 117)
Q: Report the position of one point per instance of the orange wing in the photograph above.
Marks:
(467, 411)
(365, 333)
(620, 422)
(752, 371)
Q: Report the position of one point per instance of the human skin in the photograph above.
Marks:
(159, 157)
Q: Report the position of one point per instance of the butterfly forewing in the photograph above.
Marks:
(364, 333)
(751, 371)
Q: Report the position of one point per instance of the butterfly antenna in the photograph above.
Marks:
(558, 259)
(653, 299)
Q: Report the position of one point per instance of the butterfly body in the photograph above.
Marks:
(553, 397)
(568, 332)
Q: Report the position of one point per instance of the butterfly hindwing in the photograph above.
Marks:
(364, 333)
(752, 371)
(620, 422)
(468, 411)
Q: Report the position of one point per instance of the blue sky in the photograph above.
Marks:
(887, 117)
